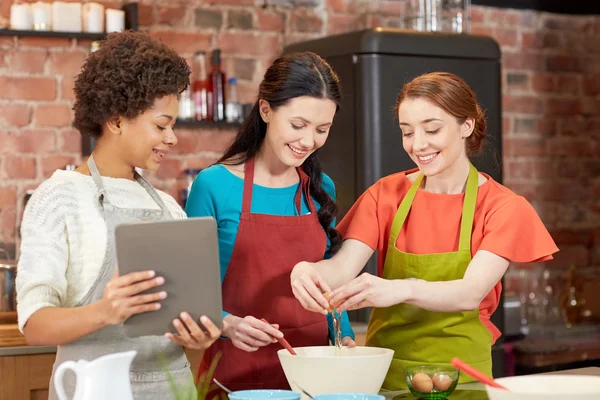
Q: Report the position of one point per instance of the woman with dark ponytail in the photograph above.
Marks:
(274, 208)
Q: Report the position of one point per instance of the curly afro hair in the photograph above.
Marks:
(124, 77)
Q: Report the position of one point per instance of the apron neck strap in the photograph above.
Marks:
(303, 187)
(468, 211)
(139, 179)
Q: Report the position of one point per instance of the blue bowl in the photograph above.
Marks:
(349, 396)
(264, 394)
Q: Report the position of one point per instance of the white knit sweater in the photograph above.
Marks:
(64, 238)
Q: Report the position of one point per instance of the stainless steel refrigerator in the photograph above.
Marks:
(365, 142)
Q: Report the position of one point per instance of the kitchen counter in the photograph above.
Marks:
(478, 389)
(13, 343)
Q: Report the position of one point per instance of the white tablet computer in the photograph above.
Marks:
(186, 253)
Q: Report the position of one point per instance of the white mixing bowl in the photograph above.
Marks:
(546, 387)
(319, 370)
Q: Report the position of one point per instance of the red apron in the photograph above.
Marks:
(257, 283)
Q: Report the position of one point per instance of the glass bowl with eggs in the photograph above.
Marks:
(431, 382)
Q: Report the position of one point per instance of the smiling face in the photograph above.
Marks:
(433, 138)
(298, 128)
(145, 139)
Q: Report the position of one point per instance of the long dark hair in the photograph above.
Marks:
(292, 75)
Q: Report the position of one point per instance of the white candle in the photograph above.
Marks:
(66, 17)
(42, 16)
(20, 17)
(93, 18)
(115, 20)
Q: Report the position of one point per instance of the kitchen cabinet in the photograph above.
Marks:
(25, 377)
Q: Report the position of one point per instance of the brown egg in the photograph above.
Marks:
(421, 382)
(441, 382)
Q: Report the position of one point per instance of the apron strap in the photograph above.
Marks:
(468, 211)
(102, 197)
(403, 210)
(152, 192)
(97, 179)
(303, 187)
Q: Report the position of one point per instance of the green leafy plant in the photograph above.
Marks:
(203, 388)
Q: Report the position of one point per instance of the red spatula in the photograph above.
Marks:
(480, 376)
(282, 341)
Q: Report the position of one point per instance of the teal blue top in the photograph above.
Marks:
(217, 193)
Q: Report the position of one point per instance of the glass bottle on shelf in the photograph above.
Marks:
(217, 78)
(234, 108)
(571, 301)
(201, 89)
(186, 106)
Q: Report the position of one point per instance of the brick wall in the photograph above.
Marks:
(551, 78)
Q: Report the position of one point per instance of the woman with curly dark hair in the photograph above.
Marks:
(274, 208)
(70, 293)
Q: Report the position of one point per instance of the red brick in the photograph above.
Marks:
(337, 24)
(51, 163)
(67, 85)
(528, 190)
(170, 168)
(304, 20)
(69, 141)
(543, 82)
(8, 222)
(506, 126)
(8, 196)
(185, 42)
(248, 43)
(482, 30)
(519, 169)
(7, 41)
(478, 14)
(145, 14)
(521, 104)
(563, 106)
(269, 20)
(247, 91)
(524, 147)
(200, 162)
(19, 167)
(565, 236)
(44, 42)
(571, 125)
(568, 84)
(392, 8)
(504, 17)
(52, 115)
(569, 254)
(505, 37)
(591, 84)
(527, 61)
(68, 63)
(572, 147)
(340, 6)
(291, 38)
(187, 141)
(216, 140)
(171, 15)
(564, 63)
(542, 40)
(546, 126)
(28, 88)
(542, 169)
(27, 61)
(563, 23)
(15, 114)
(595, 255)
(229, 2)
(5, 9)
(34, 141)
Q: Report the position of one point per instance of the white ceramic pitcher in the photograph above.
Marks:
(105, 378)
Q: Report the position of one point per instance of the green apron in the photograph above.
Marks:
(418, 336)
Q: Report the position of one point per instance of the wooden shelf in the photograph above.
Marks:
(52, 34)
(206, 124)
